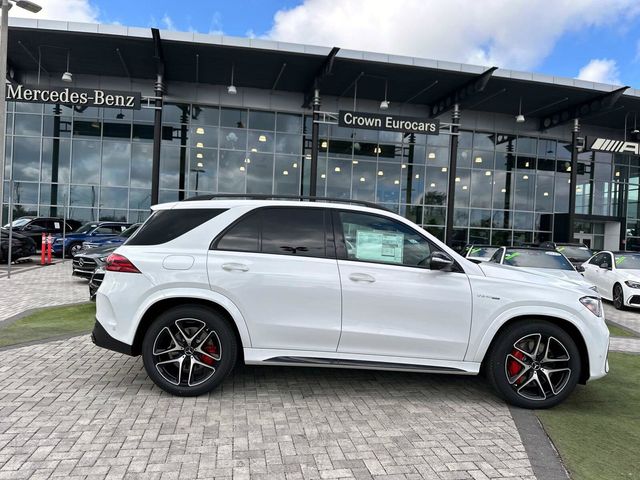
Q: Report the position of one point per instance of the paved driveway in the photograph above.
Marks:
(73, 410)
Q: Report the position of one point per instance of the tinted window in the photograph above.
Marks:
(495, 258)
(166, 225)
(244, 236)
(371, 238)
(628, 261)
(105, 231)
(536, 259)
(294, 231)
(597, 259)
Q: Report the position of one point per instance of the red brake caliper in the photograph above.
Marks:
(211, 349)
(514, 367)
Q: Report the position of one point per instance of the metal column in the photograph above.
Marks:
(315, 129)
(4, 28)
(157, 141)
(573, 178)
(453, 160)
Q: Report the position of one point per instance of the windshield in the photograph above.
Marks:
(19, 222)
(536, 258)
(482, 252)
(575, 252)
(629, 261)
(86, 228)
(130, 231)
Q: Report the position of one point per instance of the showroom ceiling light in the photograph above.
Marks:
(200, 131)
(200, 164)
(433, 185)
(262, 138)
(384, 104)
(431, 155)
(478, 159)
(362, 179)
(199, 145)
(231, 89)
(380, 173)
(520, 117)
(285, 172)
(199, 155)
(67, 76)
(417, 176)
(396, 182)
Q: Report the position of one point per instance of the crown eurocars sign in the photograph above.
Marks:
(87, 97)
(390, 123)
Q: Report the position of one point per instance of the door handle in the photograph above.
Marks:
(235, 267)
(361, 277)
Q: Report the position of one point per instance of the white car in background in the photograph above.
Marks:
(542, 261)
(617, 276)
(480, 253)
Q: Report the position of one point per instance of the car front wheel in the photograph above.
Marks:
(189, 350)
(74, 248)
(534, 364)
(618, 297)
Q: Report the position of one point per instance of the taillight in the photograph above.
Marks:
(119, 263)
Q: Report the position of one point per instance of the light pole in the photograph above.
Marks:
(4, 34)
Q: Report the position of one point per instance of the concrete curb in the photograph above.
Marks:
(544, 457)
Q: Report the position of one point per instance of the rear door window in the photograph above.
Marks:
(166, 225)
(295, 231)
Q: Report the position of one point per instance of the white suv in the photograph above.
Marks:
(206, 283)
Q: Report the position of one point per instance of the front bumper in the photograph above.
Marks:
(101, 338)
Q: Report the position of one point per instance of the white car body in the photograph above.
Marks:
(606, 278)
(301, 310)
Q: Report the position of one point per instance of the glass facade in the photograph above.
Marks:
(95, 164)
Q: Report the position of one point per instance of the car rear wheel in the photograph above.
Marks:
(618, 297)
(534, 364)
(189, 350)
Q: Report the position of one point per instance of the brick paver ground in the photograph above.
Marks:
(69, 409)
(41, 287)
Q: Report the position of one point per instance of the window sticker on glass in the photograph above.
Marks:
(619, 260)
(56, 225)
(379, 247)
(560, 249)
(474, 250)
(510, 256)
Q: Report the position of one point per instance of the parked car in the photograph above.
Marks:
(540, 260)
(617, 276)
(21, 246)
(85, 262)
(480, 253)
(34, 227)
(111, 241)
(206, 282)
(95, 282)
(72, 243)
(577, 253)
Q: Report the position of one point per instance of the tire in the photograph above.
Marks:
(182, 362)
(520, 373)
(73, 249)
(618, 297)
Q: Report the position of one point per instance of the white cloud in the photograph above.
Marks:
(67, 10)
(602, 70)
(167, 22)
(506, 33)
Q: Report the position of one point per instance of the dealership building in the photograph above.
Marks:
(104, 120)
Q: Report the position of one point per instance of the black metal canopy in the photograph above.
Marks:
(264, 68)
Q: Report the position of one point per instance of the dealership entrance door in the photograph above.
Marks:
(595, 231)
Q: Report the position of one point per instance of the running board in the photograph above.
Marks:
(336, 362)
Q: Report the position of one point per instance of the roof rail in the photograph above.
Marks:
(252, 196)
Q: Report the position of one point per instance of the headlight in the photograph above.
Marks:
(632, 284)
(593, 304)
(103, 259)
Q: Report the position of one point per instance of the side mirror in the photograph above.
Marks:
(605, 266)
(579, 268)
(440, 261)
(29, 227)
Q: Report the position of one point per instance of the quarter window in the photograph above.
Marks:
(372, 238)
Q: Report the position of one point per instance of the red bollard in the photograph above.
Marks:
(43, 249)
(49, 249)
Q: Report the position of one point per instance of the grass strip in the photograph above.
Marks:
(48, 323)
(616, 331)
(597, 429)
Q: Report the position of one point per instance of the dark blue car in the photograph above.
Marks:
(72, 243)
(111, 241)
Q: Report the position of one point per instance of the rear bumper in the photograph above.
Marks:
(101, 338)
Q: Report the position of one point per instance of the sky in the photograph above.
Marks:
(597, 40)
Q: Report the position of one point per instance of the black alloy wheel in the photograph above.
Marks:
(534, 364)
(74, 248)
(618, 297)
(189, 350)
